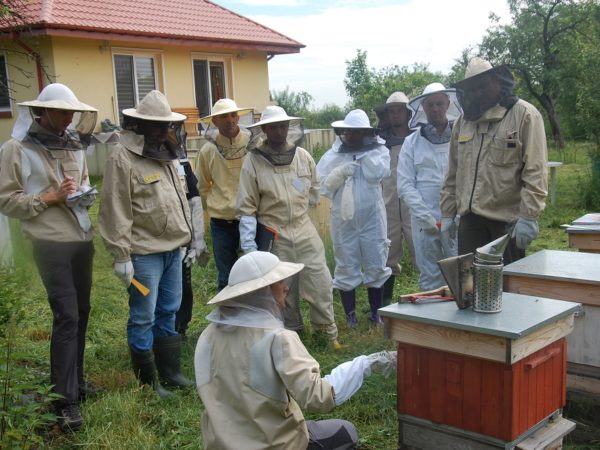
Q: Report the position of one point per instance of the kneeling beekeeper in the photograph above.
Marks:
(253, 375)
(145, 221)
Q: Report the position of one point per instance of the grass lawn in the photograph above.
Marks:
(126, 416)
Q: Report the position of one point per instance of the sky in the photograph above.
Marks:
(400, 32)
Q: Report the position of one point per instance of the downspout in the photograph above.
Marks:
(36, 56)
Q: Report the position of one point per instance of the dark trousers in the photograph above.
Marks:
(66, 271)
(184, 315)
(331, 434)
(225, 235)
(475, 231)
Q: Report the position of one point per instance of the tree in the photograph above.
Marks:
(14, 22)
(533, 45)
(294, 103)
(369, 87)
(587, 64)
(324, 116)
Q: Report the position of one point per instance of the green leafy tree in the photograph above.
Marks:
(535, 44)
(294, 103)
(587, 64)
(322, 117)
(369, 87)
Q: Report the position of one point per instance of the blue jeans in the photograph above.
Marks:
(154, 315)
(225, 235)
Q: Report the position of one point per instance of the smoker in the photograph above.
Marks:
(475, 280)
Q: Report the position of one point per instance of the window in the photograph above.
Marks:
(5, 108)
(135, 76)
(210, 82)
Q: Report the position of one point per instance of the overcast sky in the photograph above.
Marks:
(399, 32)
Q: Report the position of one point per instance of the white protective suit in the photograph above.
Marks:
(360, 244)
(422, 168)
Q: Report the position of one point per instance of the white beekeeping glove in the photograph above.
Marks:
(124, 270)
(198, 251)
(248, 234)
(338, 175)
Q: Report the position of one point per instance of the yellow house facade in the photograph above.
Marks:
(111, 63)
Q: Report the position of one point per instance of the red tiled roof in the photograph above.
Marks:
(195, 21)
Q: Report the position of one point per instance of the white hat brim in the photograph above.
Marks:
(240, 111)
(274, 120)
(343, 124)
(59, 104)
(416, 102)
(280, 272)
(174, 117)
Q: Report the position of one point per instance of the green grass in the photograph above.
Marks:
(129, 417)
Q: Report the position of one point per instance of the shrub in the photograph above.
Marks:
(24, 403)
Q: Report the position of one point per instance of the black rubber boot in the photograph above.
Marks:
(388, 290)
(375, 301)
(349, 304)
(167, 352)
(145, 371)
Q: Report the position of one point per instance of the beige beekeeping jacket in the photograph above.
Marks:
(279, 196)
(143, 207)
(497, 165)
(218, 178)
(252, 382)
(27, 170)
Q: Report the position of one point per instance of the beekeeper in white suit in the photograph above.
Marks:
(350, 173)
(253, 373)
(422, 167)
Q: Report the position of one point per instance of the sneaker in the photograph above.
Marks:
(69, 417)
(351, 320)
(88, 390)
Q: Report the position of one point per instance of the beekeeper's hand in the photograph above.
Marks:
(338, 175)
(384, 361)
(124, 271)
(525, 231)
(428, 224)
(197, 253)
(448, 227)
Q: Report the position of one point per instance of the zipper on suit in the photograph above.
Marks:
(475, 176)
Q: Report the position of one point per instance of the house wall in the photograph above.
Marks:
(86, 66)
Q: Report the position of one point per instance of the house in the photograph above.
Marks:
(112, 52)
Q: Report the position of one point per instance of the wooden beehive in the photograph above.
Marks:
(487, 397)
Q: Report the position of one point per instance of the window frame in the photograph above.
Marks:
(157, 62)
(227, 61)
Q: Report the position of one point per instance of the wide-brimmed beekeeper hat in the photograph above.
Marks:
(273, 114)
(58, 96)
(356, 119)
(254, 271)
(416, 104)
(154, 106)
(225, 106)
(397, 98)
(477, 67)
